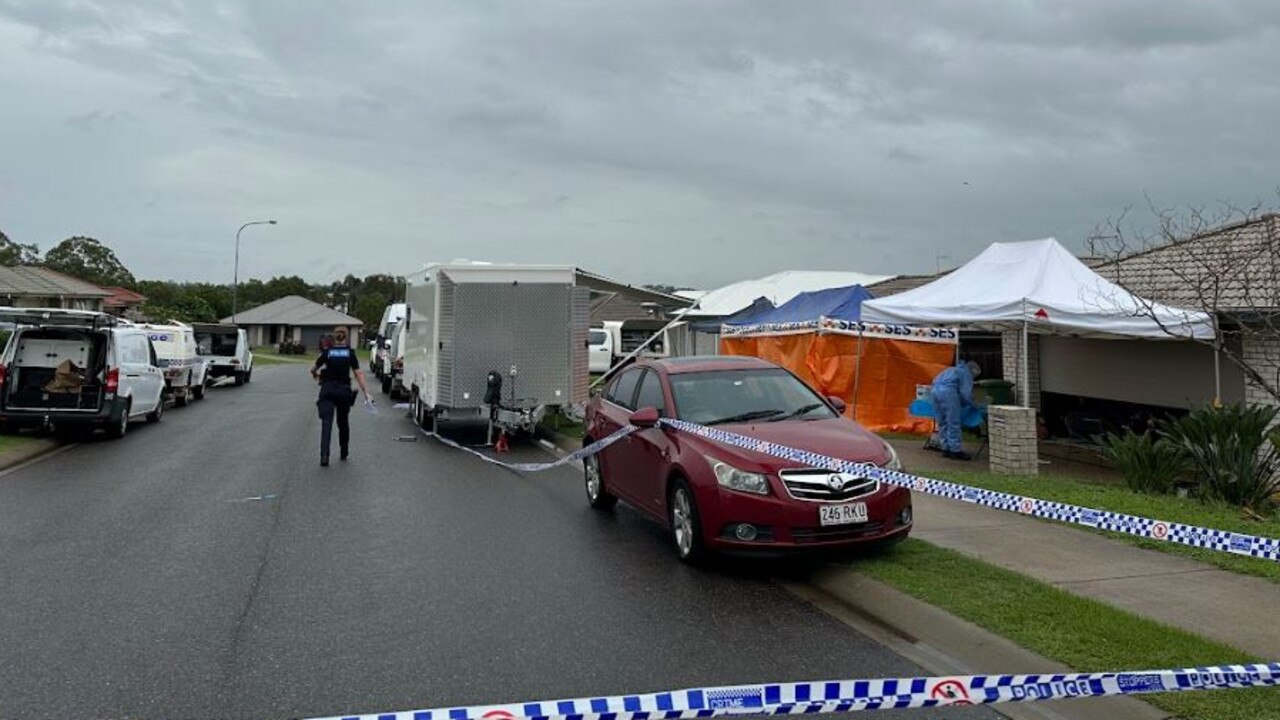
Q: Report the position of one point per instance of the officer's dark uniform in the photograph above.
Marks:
(336, 366)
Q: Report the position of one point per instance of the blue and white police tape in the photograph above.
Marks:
(575, 456)
(1180, 533)
(855, 695)
(1223, 540)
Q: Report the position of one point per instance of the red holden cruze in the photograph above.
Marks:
(717, 497)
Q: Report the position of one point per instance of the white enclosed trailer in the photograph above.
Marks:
(502, 343)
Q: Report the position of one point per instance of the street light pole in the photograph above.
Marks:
(235, 286)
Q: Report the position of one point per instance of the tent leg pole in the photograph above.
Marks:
(857, 378)
(1217, 376)
(1026, 379)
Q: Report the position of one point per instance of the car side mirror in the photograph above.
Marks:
(837, 403)
(645, 418)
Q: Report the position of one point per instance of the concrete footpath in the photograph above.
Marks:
(1199, 598)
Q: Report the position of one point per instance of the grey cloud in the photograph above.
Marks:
(796, 135)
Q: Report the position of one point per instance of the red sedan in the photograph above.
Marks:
(716, 497)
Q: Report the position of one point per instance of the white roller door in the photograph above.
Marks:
(1170, 373)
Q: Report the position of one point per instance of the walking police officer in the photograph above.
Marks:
(334, 368)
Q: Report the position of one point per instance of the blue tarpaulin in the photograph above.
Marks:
(844, 303)
(745, 316)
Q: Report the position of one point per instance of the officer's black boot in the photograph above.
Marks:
(324, 461)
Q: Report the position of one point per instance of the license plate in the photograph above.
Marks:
(842, 514)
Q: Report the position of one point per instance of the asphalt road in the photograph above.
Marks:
(139, 579)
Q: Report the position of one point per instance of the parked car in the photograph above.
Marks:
(226, 348)
(185, 371)
(380, 347)
(74, 370)
(715, 497)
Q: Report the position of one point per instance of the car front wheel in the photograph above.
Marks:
(598, 496)
(686, 530)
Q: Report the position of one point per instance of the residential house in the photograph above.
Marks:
(1232, 272)
(38, 287)
(292, 318)
(124, 303)
(612, 300)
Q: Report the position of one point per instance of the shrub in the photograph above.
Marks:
(1228, 447)
(1148, 464)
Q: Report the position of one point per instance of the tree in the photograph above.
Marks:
(1225, 263)
(89, 260)
(14, 253)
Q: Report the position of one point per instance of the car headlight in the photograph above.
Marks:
(894, 463)
(734, 479)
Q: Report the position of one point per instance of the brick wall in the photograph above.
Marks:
(1262, 352)
(1010, 352)
(1014, 449)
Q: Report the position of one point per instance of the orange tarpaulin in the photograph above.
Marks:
(877, 378)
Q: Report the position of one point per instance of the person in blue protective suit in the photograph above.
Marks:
(952, 392)
(333, 369)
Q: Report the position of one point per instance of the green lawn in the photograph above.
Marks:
(1161, 507)
(1085, 634)
(270, 357)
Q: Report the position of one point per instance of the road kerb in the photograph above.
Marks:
(944, 644)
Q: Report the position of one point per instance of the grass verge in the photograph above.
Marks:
(11, 443)
(270, 358)
(561, 425)
(1084, 634)
(1161, 507)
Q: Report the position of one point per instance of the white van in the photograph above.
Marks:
(185, 372)
(380, 349)
(76, 370)
(226, 349)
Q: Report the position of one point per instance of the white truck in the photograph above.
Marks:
(393, 367)
(226, 349)
(616, 339)
(185, 371)
(380, 347)
(502, 343)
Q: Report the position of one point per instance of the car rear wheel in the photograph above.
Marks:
(598, 496)
(386, 385)
(120, 427)
(686, 530)
(198, 392)
(240, 379)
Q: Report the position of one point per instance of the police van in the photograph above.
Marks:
(185, 371)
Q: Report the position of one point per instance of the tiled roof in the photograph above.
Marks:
(31, 281)
(293, 310)
(122, 297)
(1232, 268)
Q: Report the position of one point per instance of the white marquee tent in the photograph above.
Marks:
(1036, 286)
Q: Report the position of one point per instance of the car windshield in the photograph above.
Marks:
(216, 343)
(723, 396)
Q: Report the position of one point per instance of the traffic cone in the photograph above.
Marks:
(501, 446)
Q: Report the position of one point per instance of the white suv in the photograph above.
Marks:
(72, 370)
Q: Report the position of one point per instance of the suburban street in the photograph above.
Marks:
(208, 567)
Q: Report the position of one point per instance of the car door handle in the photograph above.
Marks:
(132, 376)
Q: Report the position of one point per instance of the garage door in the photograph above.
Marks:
(1169, 374)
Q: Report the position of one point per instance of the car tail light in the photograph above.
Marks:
(4, 375)
(235, 362)
(113, 380)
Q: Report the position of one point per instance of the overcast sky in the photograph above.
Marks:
(686, 141)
